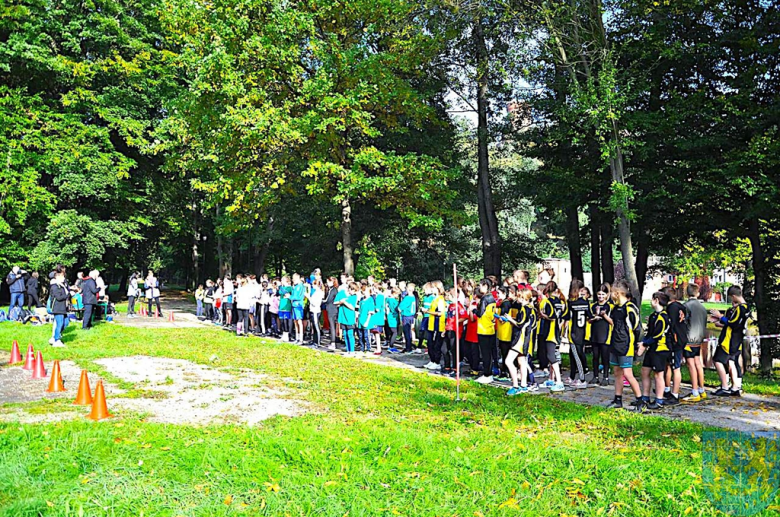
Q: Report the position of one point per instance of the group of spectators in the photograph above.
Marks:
(24, 288)
(85, 299)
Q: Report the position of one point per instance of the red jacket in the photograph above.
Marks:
(450, 321)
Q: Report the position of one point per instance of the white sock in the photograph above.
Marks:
(667, 390)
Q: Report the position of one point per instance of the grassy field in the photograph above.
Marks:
(378, 441)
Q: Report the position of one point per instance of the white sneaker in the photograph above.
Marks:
(541, 373)
(579, 385)
(484, 379)
(418, 351)
(58, 344)
(331, 347)
(428, 365)
(435, 367)
(51, 341)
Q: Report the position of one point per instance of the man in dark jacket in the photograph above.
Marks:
(15, 281)
(32, 292)
(89, 291)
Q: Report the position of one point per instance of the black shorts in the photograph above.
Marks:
(691, 352)
(553, 355)
(227, 306)
(723, 358)
(522, 347)
(675, 359)
(656, 361)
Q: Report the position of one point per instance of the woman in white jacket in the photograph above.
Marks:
(152, 286)
(244, 299)
(315, 296)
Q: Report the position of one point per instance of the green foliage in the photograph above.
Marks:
(83, 86)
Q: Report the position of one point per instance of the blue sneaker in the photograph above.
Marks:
(549, 383)
(557, 386)
(394, 351)
(513, 391)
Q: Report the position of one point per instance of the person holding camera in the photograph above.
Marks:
(60, 294)
(15, 281)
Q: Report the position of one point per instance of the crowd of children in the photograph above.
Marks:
(506, 330)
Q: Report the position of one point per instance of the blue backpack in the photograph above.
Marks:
(15, 314)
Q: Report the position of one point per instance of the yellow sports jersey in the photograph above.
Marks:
(733, 331)
(437, 323)
(504, 331)
(658, 330)
(550, 329)
(486, 311)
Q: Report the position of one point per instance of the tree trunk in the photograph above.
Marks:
(488, 222)
(573, 242)
(624, 225)
(229, 257)
(763, 309)
(607, 256)
(595, 247)
(642, 256)
(262, 254)
(195, 242)
(346, 237)
(220, 248)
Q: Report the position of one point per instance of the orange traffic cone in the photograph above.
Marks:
(99, 407)
(170, 316)
(55, 384)
(39, 372)
(16, 357)
(84, 395)
(29, 360)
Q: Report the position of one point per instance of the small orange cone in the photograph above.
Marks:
(99, 407)
(39, 371)
(55, 384)
(29, 360)
(84, 395)
(16, 357)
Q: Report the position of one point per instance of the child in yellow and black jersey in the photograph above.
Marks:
(730, 342)
(625, 319)
(486, 330)
(658, 347)
(552, 310)
(600, 335)
(507, 297)
(579, 314)
(523, 325)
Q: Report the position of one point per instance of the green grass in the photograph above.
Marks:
(377, 441)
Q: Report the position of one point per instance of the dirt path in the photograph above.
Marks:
(171, 302)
